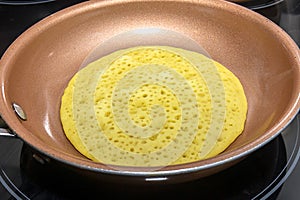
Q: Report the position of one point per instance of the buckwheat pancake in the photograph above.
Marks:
(153, 106)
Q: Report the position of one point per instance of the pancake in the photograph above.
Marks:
(153, 106)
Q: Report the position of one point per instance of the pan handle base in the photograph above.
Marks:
(5, 130)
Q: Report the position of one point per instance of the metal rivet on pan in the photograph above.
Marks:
(19, 111)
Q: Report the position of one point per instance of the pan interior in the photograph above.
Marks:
(152, 36)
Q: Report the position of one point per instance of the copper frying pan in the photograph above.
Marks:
(36, 68)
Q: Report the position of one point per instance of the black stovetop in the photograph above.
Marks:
(272, 172)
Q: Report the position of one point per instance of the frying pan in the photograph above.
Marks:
(37, 66)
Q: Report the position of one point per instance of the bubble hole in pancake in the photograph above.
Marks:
(153, 106)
